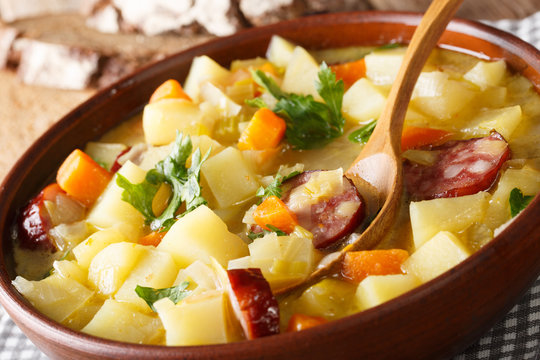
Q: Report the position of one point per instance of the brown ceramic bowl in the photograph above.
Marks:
(433, 321)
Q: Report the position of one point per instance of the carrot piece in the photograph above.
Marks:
(273, 211)
(154, 238)
(350, 72)
(357, 265)
(299, 322)
(82, 178)
(414, 137)
(264, 131)
(170, 89)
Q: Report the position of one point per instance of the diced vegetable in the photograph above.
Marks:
(123, 322)
(162, 119)
(350, 72)
(199, 235)
(376, 289)
(85, 251)
(357, 265)
(204, 69)
(111, 266)
(204, 319)
(363, 102)
(329, 298)
(440, 253)
(415, 137)
(170, 89)
(155, 269)
(526, 179)
(82, 178)
(451, 214)
(264, 131)
(280, 51)
(299, 322)
(437, 95)
(111, 211)
(301, 74)
(486, 74)
(273, 211)
(229, 178)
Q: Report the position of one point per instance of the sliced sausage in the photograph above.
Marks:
(462, 167)
(330, 219)
(34, 221)
(253, 302)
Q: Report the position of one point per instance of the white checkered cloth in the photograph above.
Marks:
(517, 336)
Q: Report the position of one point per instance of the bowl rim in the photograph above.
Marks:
(13, 301)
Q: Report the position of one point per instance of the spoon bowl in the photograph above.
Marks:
(377, 171)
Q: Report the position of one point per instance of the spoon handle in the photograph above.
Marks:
(425, 37)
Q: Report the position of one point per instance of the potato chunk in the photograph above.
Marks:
(111, 211)
(504, 121)
(301, 74)
(527, 179)
(451, 214)
(485, 74)
(111, 266)
(382, 65)
(162, 119)
(204, 319)
(85, 251)
(376, 289)
(229, 178)
(203, 69)
(280, 51)
(283, 260)
(155, 269)
(199, 235)
(122, 322)
(437, 95)
(363, 102)
(435, 256)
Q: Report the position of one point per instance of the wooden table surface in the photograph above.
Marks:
(27, 111)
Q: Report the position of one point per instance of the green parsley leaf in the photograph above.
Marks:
(252, 235)
(171, 170)
(363, 134)
(274, 188)
(310, 124)
(518, 201)
(151, 295)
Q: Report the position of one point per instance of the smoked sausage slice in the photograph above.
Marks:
(34, 222)
(461, 167)
(253, 301)
(329, 219)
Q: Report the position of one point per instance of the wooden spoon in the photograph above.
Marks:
(377, 171)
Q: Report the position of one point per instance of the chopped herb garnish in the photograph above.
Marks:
(518, 201)
(274, 188)
(253, 235)
(363, 134)
(310, 124)
(171, 170)
(151, 295)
